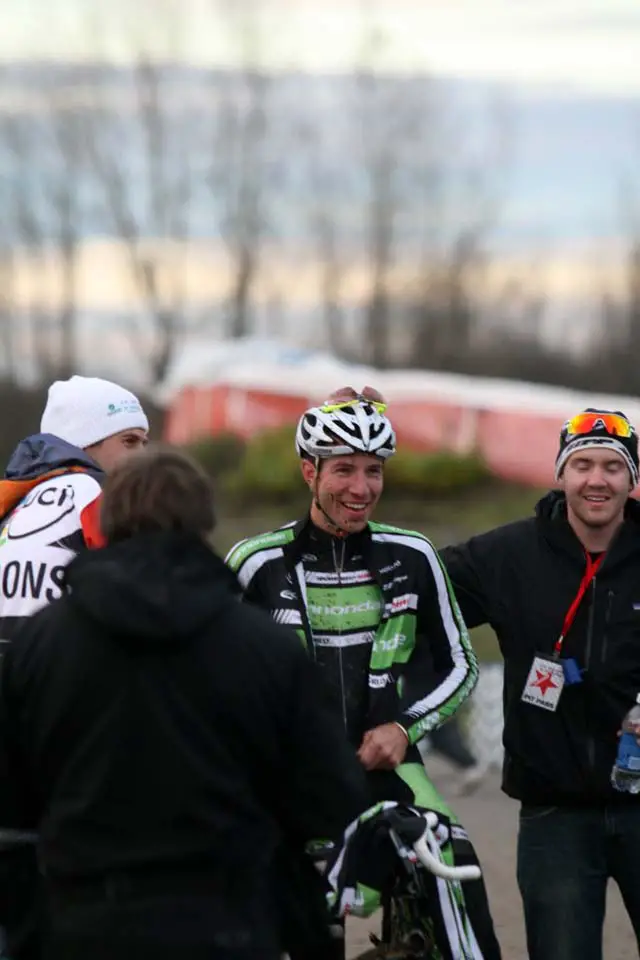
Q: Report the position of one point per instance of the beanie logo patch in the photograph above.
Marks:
(124, 406)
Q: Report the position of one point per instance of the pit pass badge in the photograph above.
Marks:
(544, 683)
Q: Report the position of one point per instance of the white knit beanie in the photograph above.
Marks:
(86, 410)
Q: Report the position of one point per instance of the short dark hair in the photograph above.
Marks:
(158, 488)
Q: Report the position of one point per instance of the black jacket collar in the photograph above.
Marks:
(308, 538)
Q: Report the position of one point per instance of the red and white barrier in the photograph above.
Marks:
(513, 426)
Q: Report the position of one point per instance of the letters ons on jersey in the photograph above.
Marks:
(37, 541)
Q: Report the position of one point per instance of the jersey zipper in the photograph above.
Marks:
(303, 604)
(339, 567)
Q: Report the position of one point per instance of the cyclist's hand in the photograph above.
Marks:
(372, 394)
(342, 393)
(383, 748)
(348, 393)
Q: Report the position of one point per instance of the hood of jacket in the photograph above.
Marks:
(154, 590)
(36, 458)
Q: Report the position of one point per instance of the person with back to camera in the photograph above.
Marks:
(167, 742)
(49, 510)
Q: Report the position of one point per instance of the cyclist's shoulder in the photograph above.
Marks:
(400, 537)
(81, 486)
(515, 532)
(261, 543)
(86, 488)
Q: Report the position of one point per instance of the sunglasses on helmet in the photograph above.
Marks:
(342, 404)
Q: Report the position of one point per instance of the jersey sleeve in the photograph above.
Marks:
(249, 560)
(442, 628)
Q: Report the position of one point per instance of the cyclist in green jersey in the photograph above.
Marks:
(375, 609)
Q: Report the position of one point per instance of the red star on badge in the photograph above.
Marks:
(544, 681)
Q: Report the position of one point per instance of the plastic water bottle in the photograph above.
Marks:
(625, 775)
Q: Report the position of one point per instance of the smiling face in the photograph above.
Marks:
(346, 491)
(596, 484)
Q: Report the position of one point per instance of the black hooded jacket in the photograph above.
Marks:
(522, 578)
(149, 720)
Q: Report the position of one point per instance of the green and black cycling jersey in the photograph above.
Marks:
(376, 610)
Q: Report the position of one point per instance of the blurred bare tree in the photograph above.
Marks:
(239, 158)
(611, 357)
(43, 158)
(332, 272)
(22, 239)
(8, 325)
(615, 344)
(382, 125)
(324, 224)
(62, 187)
(147, 191)
(457, 199)
(238, 178)
(632, 302)
(431, 199)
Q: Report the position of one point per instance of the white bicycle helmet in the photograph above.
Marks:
(339, 429)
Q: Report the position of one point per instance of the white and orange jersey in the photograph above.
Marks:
(49, 519)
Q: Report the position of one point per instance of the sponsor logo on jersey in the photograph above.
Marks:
(41, 509)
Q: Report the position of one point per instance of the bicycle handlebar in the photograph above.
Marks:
(436, 866)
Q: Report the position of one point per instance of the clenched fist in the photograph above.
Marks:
(348, 393)
(384, 747)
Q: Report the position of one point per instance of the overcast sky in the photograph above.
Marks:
(588, 45)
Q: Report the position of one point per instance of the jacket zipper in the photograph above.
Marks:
(607, 618)
(591, 742)
(339, 566)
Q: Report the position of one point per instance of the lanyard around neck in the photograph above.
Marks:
(592, 568)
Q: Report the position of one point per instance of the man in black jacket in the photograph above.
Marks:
(170, 745)
(562, 592)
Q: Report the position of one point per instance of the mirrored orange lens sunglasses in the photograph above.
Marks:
(614, 424)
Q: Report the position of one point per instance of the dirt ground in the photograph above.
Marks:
(488, 814)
